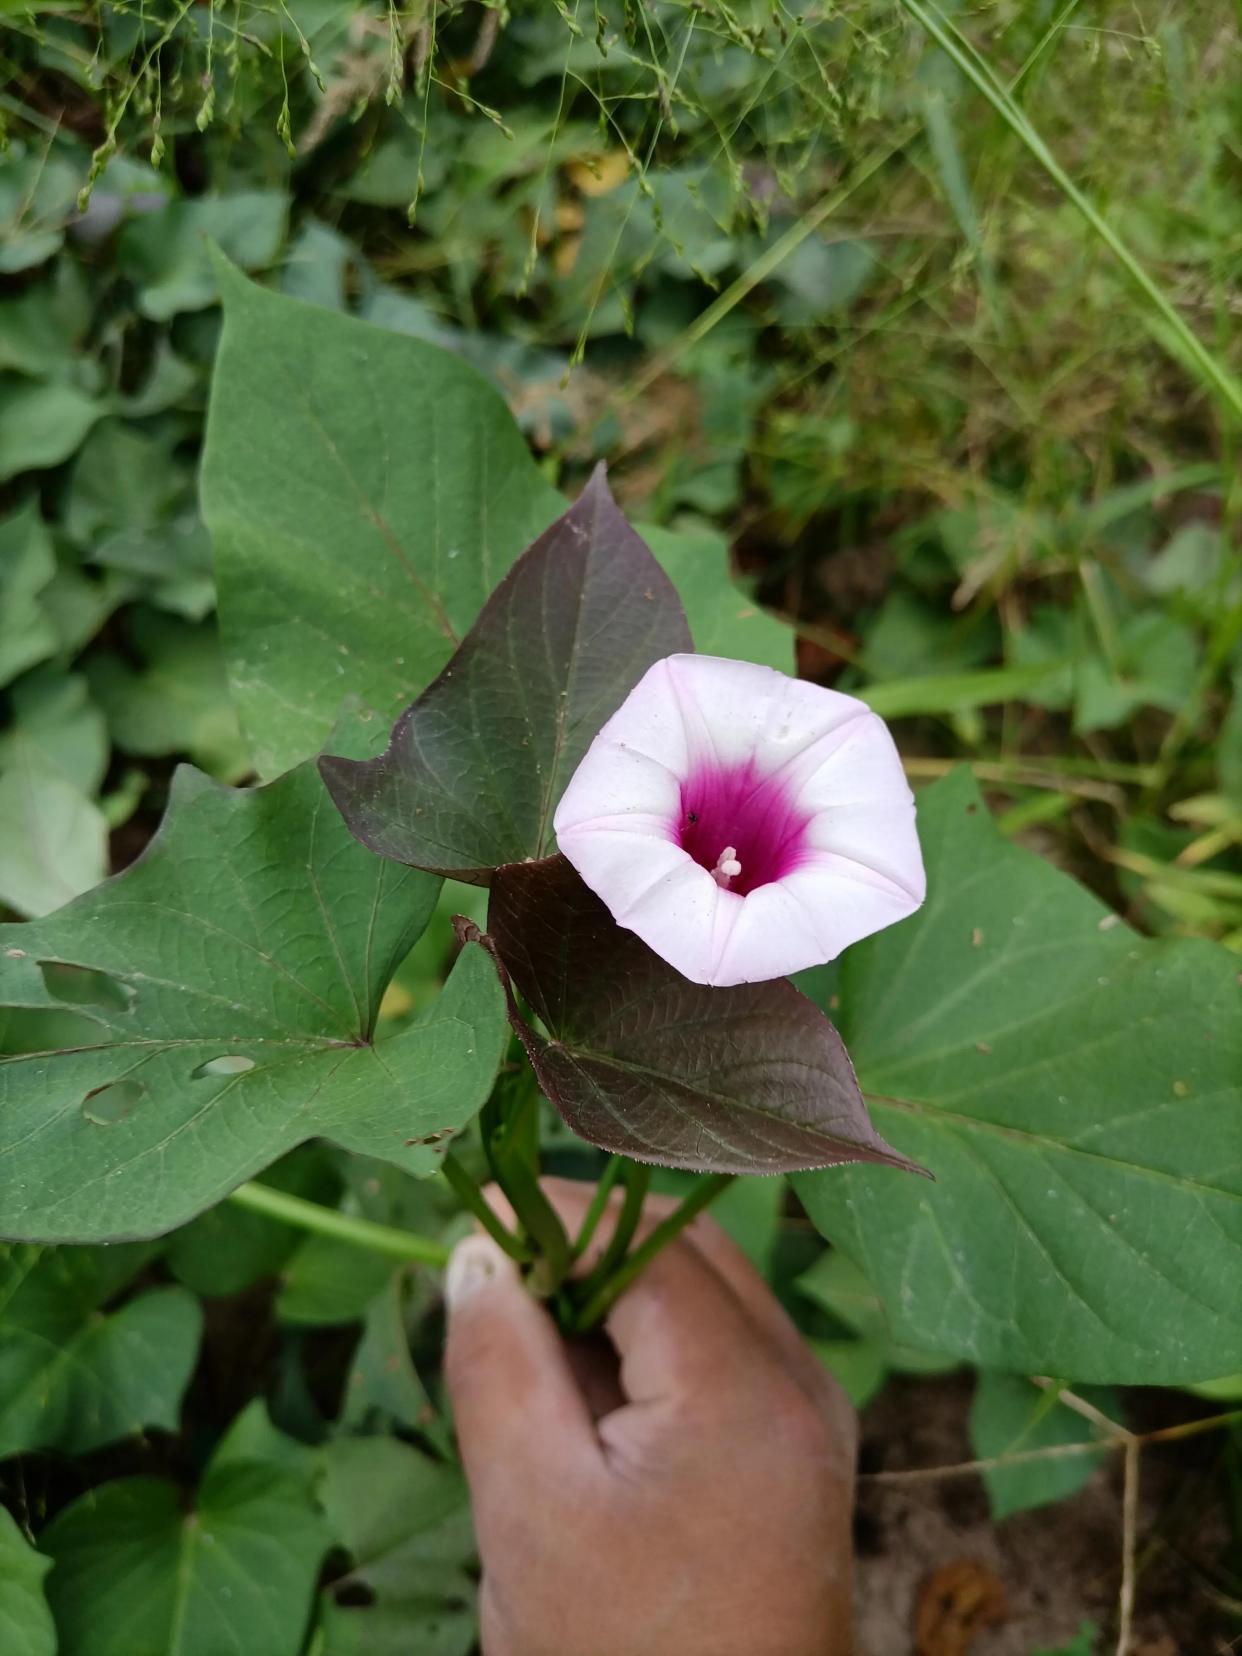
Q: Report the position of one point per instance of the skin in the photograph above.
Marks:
(683, 1489)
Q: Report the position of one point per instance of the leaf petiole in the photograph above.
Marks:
(341, 1227)
(471, 1197)
(600, 1299)
(593, 1215)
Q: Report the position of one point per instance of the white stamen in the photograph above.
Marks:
(727, 867)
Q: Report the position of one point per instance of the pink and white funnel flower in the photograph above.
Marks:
(744, 824)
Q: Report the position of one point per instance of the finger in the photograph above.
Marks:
(515, 1400)
(728, 1260)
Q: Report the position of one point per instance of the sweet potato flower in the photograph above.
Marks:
(744, 824)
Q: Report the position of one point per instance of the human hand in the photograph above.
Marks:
(694, 1501)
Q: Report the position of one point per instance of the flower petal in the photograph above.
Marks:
(707, 754)
(733, 709)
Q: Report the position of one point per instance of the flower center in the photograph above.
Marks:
(727, 867)
(744, 828)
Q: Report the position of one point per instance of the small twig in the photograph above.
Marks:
(1080, 1406)
(1019, 775)
(1119, 1440)
(993, 1463)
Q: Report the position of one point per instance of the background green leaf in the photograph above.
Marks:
(1076, 1092)
(41, 424)
(1009, 1415)
(176, 701)
(27, 565)
(723, 620)
(53, 838)
(137, 1574)
(74, 1375)
(364, 494)
(405, 1521)
(26, 1626)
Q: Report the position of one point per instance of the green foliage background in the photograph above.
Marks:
(814, 300)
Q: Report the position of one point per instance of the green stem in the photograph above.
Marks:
(341, 1227)
(601, 1299)
(593, 1215)
(637, 1176)
(955, 46)
(511, 1143)
(471, 1197)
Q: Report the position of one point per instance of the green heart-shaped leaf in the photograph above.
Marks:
(364, 492)
(138, 1573)
(1077, 1091)
(73, 1378)
(25, 1619)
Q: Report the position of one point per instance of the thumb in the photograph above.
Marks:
(515, 1401)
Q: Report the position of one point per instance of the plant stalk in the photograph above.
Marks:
(471, 1197)
(601, 1298)
(637, 1176)
(593, 1215)
(340, 1227)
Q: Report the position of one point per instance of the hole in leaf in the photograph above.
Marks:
(45, 1029)
(228, 1063)
(84, 986)
(105, 1106)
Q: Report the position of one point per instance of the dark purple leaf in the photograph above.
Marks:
(639, 1060)
(476, 765)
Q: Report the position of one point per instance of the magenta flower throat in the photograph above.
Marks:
(745, 828)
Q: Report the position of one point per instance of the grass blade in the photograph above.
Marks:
(1169, 328)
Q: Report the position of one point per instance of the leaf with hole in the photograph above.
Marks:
(476, 765)
(404, 1519)
(1077, 1092)
(638, 1059)
(255, 931)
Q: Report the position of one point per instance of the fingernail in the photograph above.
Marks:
(471, 1266)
